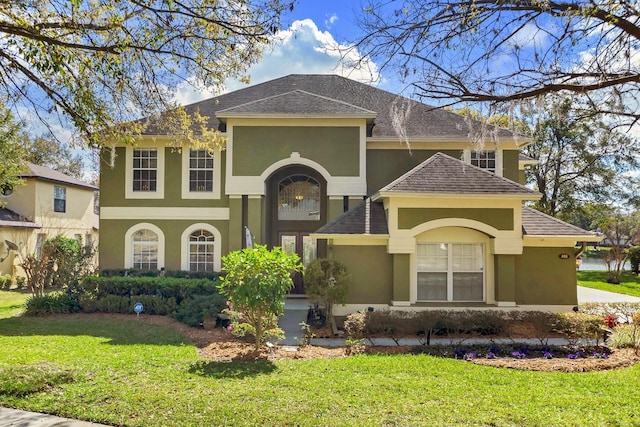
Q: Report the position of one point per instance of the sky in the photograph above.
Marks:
(313, 40)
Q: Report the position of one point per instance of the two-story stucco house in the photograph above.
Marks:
(321, 165)
(48, 205)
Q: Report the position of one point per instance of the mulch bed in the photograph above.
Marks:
(219, 345)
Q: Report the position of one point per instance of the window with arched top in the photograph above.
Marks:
(144, 250)
(299, 199)
(201, 250)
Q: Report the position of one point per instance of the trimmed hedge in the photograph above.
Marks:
(132, 272)
(162, 287)
(189, 300)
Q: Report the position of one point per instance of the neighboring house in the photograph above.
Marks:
(49, 204)
(422, 214)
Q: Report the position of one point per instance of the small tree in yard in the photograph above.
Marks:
(620, 232)
(256, 283)
(326, 281)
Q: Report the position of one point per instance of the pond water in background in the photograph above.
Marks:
(598, 264)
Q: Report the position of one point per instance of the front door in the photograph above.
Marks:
(297, 200)
(306, 248)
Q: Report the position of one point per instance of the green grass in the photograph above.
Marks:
(629, 282)
(126, 372)
(12, 303)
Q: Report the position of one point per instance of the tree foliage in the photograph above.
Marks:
(11, 152)
(327, 281)
(580, 159)
(47, 151)
(620, 232)
(99, 64)
(61, 263)
(497, 51)
(256, 282)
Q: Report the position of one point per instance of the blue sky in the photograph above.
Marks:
(313, 40)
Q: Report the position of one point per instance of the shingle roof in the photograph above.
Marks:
(366, 218)
(47, 174)
(536, 223)
(9, 218)
(296, 102)
(421, 120)
(442, 174)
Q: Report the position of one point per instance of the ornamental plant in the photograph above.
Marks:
(326, 281)
(256, 283)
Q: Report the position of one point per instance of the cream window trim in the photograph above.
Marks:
(128, 184)
(128, 243)
(217, 245)
(217, 177)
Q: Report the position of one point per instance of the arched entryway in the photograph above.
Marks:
(297, 206)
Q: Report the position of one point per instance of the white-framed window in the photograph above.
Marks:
(201, 173)
(201, 248)
(484, 160)
(450, 272)
(144, 250)
(144, 247)
(145, 169)
(59, 199)
(144, 174)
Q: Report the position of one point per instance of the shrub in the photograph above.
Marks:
(580, 326)
(327, 282)
(52, 303)
(194, 310)
(543, 324)
(5, 282)
(625, 336)
(355, 325)
(256, 283)
(634, 259)
(621, 310)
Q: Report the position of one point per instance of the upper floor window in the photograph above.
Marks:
(299, 199)
(145, 250)
(484, 159)
(200, 171)
(59, 199)
(145, 169)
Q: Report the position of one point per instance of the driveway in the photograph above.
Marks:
(596, 295)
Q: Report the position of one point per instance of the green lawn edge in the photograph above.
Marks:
(597, 279)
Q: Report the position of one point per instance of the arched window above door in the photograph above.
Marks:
(298, 199)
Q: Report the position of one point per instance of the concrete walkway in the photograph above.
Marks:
(17, 418)
(596, 295)
(295, 312)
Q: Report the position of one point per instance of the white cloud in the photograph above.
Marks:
(301, 49)
(530, 35)
(330, 20)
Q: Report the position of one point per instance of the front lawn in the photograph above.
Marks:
(12, 303)
(128, 372)
(630, 283)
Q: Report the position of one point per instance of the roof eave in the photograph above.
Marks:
(224, 115)
(421, 195)
(577, 238)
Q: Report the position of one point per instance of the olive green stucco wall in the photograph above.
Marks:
(510, 165)
(371, 273)
(505, 277)
(543, 278)
(501, 219)
(112, 243)
(113, 179)
(255, 148)
(383, 166)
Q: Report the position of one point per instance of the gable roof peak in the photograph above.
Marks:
(443, 174)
